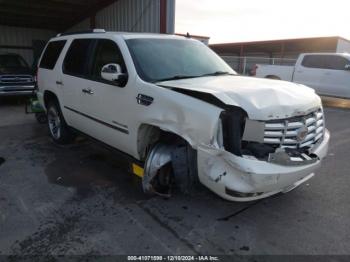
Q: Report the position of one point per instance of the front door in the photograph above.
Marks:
(308, 72)
(107, 104)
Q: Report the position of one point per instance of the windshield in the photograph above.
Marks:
(166, 59)
(12, 61)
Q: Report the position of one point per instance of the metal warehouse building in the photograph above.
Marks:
(241, 56)
(25, 26)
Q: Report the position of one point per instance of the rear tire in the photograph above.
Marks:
(58, 128)
(273, 77)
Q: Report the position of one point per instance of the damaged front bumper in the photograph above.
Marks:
(246, 178)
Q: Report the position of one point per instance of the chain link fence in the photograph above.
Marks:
(245, 64)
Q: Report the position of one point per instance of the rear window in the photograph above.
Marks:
(51, 54)
(75, 62)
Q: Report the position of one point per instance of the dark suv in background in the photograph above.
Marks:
(16, 77)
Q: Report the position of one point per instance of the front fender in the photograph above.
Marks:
(194, 120)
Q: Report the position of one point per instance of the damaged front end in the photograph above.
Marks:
(255, 159)
(285, 141)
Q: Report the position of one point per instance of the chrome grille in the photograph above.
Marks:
(16, 79)
(286, 132)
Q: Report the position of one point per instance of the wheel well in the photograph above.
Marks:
(273, 77)
(149, 135)
(162, 150)
(49, 96)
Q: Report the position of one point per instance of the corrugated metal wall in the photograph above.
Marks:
(171, 7)
(123, 15)
(131, 16)
(81, 26)
(22, 37)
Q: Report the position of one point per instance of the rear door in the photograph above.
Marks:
(74, 80)
(309, 71)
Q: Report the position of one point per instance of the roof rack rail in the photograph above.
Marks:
(82, 32)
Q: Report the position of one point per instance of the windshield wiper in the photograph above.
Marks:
(177, 77)
(218, 73)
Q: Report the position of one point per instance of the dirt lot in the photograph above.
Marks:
(79, 199)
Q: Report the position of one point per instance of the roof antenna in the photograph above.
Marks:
(188, 35)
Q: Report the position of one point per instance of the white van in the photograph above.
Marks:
(181, 113)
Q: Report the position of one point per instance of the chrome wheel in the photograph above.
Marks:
(54, 123)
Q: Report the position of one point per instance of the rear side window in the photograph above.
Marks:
(332, 62)
(75, 62)
(51, 54)
(337, 62)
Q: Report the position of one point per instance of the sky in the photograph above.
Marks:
(253, 20)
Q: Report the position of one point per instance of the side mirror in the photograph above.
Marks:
(113, 72)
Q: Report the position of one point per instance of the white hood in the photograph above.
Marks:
(262, 99)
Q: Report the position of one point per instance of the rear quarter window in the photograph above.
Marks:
(51, 54)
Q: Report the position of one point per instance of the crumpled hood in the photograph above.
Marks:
(262, 99)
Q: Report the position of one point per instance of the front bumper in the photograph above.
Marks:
(17, 90)
(245, 179)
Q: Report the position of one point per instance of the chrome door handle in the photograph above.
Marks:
(144, 99)
(87, 91)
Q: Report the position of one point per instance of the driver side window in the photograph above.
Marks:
(106, 52)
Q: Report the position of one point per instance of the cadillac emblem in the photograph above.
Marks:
(302, 133)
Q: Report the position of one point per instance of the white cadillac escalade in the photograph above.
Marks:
(181, 113)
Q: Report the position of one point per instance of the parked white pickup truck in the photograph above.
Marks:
(181, 113)
(327, 73)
